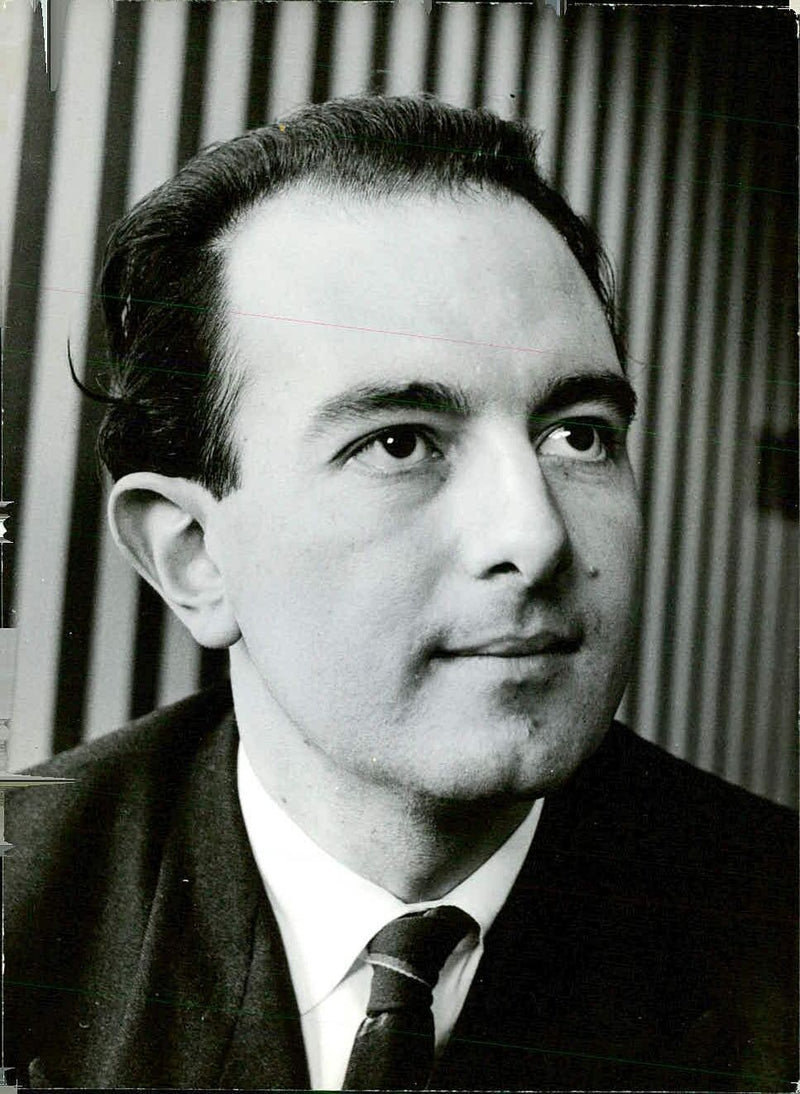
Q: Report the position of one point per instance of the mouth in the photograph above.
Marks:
(542, 644)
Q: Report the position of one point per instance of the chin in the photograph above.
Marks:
(517, 760)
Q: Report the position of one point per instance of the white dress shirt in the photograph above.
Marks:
(327, 914)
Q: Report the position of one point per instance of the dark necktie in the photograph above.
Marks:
(393, 1049)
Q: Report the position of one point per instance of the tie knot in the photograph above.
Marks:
(408, 955)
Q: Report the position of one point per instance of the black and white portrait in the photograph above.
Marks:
(400, 475)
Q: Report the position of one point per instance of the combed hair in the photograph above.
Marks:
(173, 388)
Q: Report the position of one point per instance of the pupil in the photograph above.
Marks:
(581, 437)
(400, 445)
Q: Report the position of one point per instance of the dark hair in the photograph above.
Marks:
(173, 399)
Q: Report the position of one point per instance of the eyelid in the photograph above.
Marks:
(597, 413)
(427, 435)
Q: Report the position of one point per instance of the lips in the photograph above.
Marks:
(515, 646)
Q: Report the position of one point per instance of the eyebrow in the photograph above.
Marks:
(365, 400)
(611, 388)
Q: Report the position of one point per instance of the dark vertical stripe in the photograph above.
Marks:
(522, 94)
(194, 65)
(323, 55)
(149, 634)
(481, 46)
(785, 623)
(22, 313)
(434, 23)
(565, 93)
(380, 47)
(86, 516)
(743, 479)
(644, 66)
(261, 63)
(722, 74)
(610, 36)
(760, 624)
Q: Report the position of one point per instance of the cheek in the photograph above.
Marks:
(307, 572)
(607, 539)
(606, 528)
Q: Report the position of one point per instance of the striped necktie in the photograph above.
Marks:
(394, 1045)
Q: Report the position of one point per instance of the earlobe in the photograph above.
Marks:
(159, 524)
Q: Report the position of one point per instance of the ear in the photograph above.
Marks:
(159, 524)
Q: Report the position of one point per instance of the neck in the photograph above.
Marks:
(414, 846)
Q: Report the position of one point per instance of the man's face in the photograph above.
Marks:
(433, 552)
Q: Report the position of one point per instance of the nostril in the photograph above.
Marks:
(504, 568)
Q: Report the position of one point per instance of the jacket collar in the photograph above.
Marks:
(212, 965)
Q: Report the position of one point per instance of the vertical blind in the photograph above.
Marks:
(671, 130)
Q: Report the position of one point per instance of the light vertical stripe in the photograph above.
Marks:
(352, 49)
(406, 56)
(613, 207)
(15, 32)
(227, 71)
(614, 210)
(545, 83)
(501, 90)
(644, 226)
(179, 673)
(158, 90)
(581, 136)
(643, 301)
(67, 276)
(292, 74)
(113, 639)
(665, 416)
(457, 46)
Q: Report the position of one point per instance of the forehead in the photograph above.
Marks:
(341, 290)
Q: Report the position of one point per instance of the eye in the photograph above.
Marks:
(395, 450)
(586, 441)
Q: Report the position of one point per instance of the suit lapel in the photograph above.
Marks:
(587, 981)
(212, 995)
(502, 1038)
(266, 1049)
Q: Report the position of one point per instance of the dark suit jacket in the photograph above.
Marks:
(648, 943)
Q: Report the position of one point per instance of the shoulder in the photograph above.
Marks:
(671, 791)
(146, 748)
(680, 826)
(122, 792)
(176, 729)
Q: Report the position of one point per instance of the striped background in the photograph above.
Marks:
(672, 131)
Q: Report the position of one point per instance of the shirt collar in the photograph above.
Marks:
(326, 912)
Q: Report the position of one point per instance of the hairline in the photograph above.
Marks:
(228, 373)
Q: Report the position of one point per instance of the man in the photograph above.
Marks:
(369, 435)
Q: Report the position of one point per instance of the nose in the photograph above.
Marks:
(508, 520)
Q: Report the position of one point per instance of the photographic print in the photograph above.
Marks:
(400, 491)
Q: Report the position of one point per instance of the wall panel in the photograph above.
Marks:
(673, 130)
